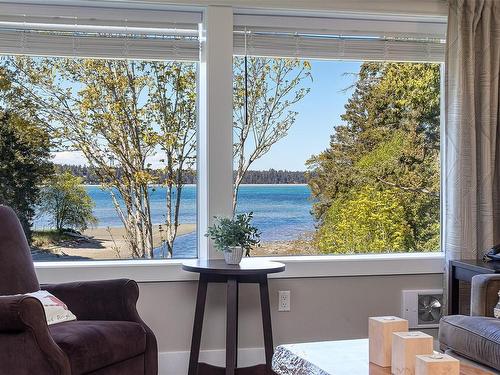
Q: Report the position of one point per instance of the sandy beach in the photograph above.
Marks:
(107, 243)
(283, 248)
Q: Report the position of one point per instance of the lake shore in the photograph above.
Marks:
(301, 246)
(102, 244)
(110, 244)
(281, 212)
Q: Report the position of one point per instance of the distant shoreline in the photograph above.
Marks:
(89, 175)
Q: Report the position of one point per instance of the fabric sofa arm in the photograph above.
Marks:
(99, 300)
(19, 313)
(25, 342)
(484, 294)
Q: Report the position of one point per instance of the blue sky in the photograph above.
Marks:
(319, 113)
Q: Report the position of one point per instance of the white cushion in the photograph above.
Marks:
(56, 311)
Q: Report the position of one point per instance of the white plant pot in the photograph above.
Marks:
(233, 255)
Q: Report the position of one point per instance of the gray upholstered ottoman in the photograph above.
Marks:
(474, 337)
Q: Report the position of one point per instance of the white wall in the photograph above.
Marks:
(321, 309)
(404, 7)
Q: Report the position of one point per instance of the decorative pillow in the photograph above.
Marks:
(496, 311)
(56, 311)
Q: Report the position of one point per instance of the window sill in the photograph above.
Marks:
(296, 267)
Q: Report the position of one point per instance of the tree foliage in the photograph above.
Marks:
(120, 114)
(24, 154)
(369, 220)
(380, 174)
(25, 163)
(67, 203)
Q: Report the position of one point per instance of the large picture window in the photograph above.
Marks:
(336, 145)
(338, 155)
(98, 138)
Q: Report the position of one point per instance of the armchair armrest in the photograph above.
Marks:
(484, 294)
(99, 300)
(13, 309)
(25, 342)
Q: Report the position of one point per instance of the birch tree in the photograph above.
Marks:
(118, 114)
(172, 95)
(274, 86)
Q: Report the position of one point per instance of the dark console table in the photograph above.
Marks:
(464, 270)
(217, 271)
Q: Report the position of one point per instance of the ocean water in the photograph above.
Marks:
(281, 212)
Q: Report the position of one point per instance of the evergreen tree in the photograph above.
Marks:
(385, 154)
(25, 163)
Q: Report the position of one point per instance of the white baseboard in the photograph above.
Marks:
(176, 363)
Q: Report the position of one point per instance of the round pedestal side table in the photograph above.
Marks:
(251, 270)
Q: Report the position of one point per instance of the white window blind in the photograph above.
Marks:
(67, 31)
(340, 38)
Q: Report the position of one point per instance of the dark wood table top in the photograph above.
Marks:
(478, 265)
(248, 266)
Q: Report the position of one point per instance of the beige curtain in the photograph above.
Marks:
(472, 133)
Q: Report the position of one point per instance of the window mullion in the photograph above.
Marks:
(215, 142)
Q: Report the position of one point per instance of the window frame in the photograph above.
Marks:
(216, 36)
(310, 266)
(187, 18)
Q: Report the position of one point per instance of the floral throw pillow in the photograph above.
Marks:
(56, 311)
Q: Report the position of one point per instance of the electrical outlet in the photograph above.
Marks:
(284, 300)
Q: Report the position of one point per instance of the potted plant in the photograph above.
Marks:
(233, 236)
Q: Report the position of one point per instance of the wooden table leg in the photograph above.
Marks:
(453, 292)
(198, 325)
(232, 326)
(237, 320)
(266, 322)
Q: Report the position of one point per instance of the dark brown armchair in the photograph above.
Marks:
(108, 337)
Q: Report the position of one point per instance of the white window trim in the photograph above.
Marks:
(99, 10)
(171, 270)
(153, 271)
(215, 126)
(346, 24)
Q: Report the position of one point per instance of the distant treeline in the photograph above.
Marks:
(270, 176)
(273, 176)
